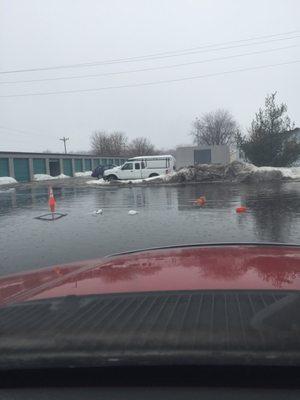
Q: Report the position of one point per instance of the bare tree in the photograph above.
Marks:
(141, 147)
(214, 128)
(109, 144)
(171, 151)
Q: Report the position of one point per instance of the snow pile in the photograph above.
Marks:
(234, 172)
(98, 182)
(62, 176)
(159, 179)
(45, 177)
(42, 177)
(7, 180)
(83, 174)
(289, 173)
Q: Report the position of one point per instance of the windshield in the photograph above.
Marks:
(150, 151)
(127, 166)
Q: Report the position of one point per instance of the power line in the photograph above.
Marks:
(18, 130)
(151, 68)
(154, 56)
(151, 83)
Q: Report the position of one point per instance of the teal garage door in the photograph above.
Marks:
(4, 169)
(87, 164)
(104, 161)
(96, 162)
(21, 166)
(67, 164)
(78, 165)
(39, 166)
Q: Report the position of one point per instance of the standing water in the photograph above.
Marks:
(167, 215)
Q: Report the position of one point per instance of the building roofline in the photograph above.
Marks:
(57, 154)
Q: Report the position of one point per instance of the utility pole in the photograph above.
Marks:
(64, 139)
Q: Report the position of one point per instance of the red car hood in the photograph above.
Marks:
(186, 268)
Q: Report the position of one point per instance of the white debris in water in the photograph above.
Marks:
(83, 174)
(100, 211)
(7, 180)
(45, 177)
(132, 212)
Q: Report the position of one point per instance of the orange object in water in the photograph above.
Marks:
(201, 201)
(241, 209)
(51, 201)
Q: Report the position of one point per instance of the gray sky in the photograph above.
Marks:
(36, 34)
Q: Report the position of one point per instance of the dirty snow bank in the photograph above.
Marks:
(82, 174)
(233, 172)
(290, 173)
(7, 180)
(45, 177)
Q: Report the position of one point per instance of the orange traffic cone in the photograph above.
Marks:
(201, 201)
(51, 201)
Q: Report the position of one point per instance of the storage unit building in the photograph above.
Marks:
(192, 155)
(23, 166)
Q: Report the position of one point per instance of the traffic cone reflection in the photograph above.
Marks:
(241, 209)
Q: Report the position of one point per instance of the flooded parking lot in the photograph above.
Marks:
(166, 216)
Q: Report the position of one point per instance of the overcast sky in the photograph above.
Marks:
(41, 34)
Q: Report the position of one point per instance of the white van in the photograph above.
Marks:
(141, 168)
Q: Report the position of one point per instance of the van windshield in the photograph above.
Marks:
(127, 166)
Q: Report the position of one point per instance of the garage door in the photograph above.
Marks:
(202, 156)
(87, 164)
(21, 166)
(78, 165)
(4, 169)
(96, 162)
(39, 166)
(67, 164)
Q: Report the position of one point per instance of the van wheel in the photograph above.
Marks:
(152, 175)
(111, 178)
